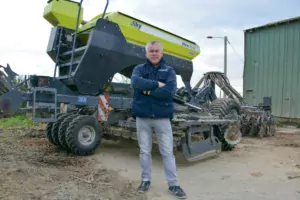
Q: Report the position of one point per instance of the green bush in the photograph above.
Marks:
(19, 120)
(279, 125)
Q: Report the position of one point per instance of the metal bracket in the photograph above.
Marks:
(43, 104)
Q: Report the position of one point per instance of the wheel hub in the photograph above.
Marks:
(86, 135)
(233, 135)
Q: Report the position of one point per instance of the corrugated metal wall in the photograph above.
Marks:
(272, 68)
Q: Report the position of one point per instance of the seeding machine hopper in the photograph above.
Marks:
(87, 55)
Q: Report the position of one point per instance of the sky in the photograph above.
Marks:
(24, 32)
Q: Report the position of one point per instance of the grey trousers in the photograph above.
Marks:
(163, 131)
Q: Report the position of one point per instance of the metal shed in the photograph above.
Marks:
(272, 66)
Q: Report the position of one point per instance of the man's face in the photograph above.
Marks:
(154, 53)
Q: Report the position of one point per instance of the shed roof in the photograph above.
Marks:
(271, 24)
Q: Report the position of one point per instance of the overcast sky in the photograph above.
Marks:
(24, 33)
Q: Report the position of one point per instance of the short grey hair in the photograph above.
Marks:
(153, 42)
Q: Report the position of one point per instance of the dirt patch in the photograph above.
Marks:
(289, 138)
(284, 137)
(243, 173)
(31, 168)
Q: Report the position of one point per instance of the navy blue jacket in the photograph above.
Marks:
(159, 103)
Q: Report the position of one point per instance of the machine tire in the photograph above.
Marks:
(49, 131)
(272, 130)
(222, 107)
(254, 129)
(225, 146)
(245, 129)
(225, 106)
(63, 129)
(55, 128)
(73, 135)
(263, 130)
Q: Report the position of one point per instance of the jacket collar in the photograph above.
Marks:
(161, 63)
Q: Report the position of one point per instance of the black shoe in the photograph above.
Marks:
(144, 186)
(177, 192)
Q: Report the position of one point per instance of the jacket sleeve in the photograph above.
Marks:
(138, 82)
(167, 91)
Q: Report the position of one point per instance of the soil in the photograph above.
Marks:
(31, 168)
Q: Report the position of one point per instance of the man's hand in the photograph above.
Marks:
(146, 92)
(160, 84)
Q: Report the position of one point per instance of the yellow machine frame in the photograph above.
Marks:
(64, 13)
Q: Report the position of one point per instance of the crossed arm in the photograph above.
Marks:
(168, 90)
(154, 88)
(141, 83)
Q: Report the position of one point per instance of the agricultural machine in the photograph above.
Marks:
(85, 103)
(253, 120)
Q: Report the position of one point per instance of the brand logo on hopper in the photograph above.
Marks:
(136, 24)
(188, 46)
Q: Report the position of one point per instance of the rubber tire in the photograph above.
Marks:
(245, 129)
(72, 135)
(63, 129)
(262, 130)
(254, 130)
(55, 128)
(225, 146)
(49, 131)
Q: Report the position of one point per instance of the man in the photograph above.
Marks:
(154, 85)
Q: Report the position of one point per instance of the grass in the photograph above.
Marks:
(298, 125)
(16, 121)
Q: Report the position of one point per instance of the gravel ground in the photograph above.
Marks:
(264, 169)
